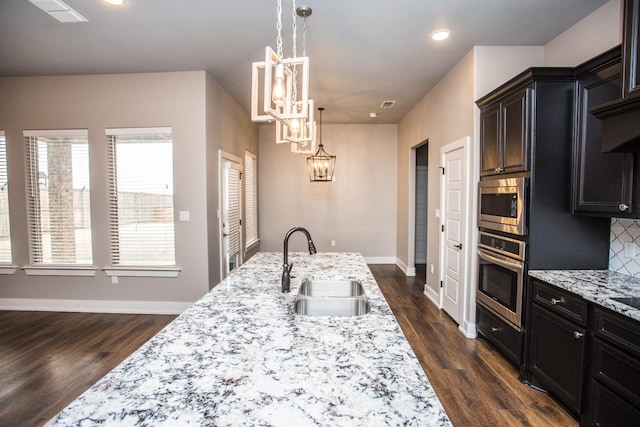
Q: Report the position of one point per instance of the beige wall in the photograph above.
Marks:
(596, 33)
(97, 102)
(358, 210)
(229, 129)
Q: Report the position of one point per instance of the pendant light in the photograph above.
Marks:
(285, 82)
(321, 164)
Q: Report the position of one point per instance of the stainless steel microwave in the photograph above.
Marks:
(502, 204)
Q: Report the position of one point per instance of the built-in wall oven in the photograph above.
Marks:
(501, 271)
(502, 204)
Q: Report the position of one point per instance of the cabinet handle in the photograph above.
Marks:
(557, 301)
(623, 207)
(494, 329)
(577, 335)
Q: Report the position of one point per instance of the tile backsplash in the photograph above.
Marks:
(624, 248)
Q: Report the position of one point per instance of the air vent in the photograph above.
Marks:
(387, 104)
(59, 10)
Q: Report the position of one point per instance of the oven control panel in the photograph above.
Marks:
(505, 245)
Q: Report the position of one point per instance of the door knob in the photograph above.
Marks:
(459, 246)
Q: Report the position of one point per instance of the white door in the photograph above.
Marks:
(231, 214)
(454, 217)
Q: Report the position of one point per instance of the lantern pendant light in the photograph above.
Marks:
(321, 164)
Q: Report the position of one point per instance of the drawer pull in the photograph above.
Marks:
(494, 329)
(577, 335)
(555, 301)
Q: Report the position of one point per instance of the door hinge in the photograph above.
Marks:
(441, 284)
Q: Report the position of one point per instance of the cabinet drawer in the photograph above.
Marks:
(609, 410)
(500, 334)
(560, 302)
(617, 370)
(621, 331)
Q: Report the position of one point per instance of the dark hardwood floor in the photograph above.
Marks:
(48, 359)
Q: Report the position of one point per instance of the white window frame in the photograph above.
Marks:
(6, 267)
(136, 270)
(251, 200)
(51, 269)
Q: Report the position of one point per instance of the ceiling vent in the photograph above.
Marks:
(59, 10)
(387, 104)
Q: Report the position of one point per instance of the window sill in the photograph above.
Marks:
(60, 270)
(252, 245)
(142, 271)
(8, 269)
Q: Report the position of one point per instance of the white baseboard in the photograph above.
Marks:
(408, 271)
(380, 259)
(468, 329)
(95, 306)
(432, 296)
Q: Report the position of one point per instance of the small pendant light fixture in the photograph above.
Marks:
(321, 164)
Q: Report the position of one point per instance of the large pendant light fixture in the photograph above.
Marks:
(321, 164)
(285, 82)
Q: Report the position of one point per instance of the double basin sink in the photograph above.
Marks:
(331, 298)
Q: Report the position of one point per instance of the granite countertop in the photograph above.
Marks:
(240, 356)
(597, 286)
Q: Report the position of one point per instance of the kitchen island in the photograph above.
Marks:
(240, 356)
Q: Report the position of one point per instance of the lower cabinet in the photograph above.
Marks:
(586, 356)
(557, 350)
(615, 374)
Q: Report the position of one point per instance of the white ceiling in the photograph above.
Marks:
(362, 52)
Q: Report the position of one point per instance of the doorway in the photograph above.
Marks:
(421, 212)
(230, 213)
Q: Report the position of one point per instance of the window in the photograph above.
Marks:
(141, 197)
(58, 197)
(251, 199)
(5, 236)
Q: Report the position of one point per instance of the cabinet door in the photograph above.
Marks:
(603, 182)
(556, 356)
(490, 152)
(515, 125)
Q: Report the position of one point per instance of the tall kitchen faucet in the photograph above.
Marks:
(286, 267)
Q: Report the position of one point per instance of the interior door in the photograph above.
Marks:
(454, 229)
(231, 215)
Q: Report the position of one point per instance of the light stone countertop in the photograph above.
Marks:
(597, 286)
(240, 356)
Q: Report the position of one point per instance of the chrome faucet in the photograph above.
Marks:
(286, 267)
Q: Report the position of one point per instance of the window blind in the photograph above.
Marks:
(233, 209)
(5, 234)
(141, 214)
(250, 194)
(58, 197)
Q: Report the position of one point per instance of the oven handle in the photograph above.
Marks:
(501, 261)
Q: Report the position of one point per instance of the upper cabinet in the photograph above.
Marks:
(604, 183)
(526, 119)
(504, 138)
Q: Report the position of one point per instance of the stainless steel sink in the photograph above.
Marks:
(331, 306)
(630, 301)
(331, 288)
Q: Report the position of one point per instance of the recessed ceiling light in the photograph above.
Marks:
(441, 34)
(115, 2)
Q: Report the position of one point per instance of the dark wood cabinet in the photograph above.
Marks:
(631, 48)
(604, 184)
(557, 346)
(614, 392)
(504, 138)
